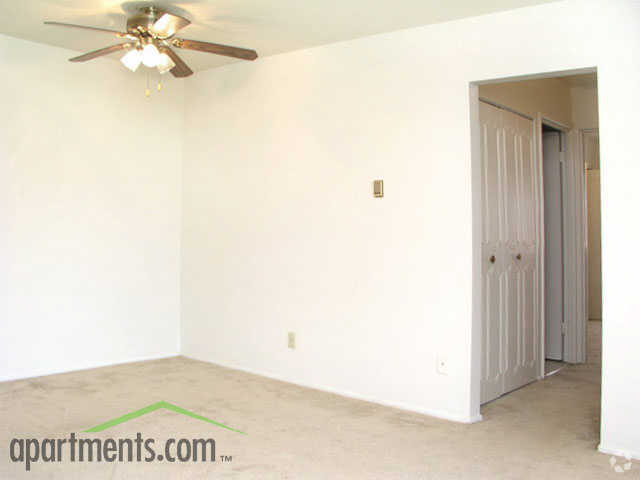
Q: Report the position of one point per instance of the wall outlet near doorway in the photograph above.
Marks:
(442, 366)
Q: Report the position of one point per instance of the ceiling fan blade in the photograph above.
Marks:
(181, 69)
(101, 52)
(168, 24)
(235, 52)
(95, 29)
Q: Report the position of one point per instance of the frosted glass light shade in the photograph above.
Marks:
(132, 59)
(150, 55)
(165, 63)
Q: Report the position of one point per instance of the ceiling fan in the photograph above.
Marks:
(150, 36)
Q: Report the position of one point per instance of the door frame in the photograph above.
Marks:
(575, 246)
(540, 121)
(572, 145)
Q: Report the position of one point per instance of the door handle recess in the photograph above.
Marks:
(492, 259)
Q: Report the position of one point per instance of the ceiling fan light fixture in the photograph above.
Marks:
(132, 59)
(149, 38)
(163, 26)
(165, 63)
(150, 55)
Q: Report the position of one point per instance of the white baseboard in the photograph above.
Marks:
(89, 366)
(402, 406)
(619, 452)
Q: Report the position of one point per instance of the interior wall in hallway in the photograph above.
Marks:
(89, 213)
(584, 107)
(584, 103)
(550, 96)
(595, 244)
(594, 342)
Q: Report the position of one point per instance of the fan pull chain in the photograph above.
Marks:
(147, 92)
(159, 82)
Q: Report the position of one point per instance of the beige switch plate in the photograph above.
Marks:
(291, 341)
(378, 188)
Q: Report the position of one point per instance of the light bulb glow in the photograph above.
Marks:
(162, 24)
(132, 59)
(165, 63)
(150, 55)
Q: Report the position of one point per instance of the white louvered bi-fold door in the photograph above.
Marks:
(510, 248)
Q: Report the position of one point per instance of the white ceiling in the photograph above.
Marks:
(268, 26)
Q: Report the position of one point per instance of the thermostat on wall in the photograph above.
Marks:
(378, 188)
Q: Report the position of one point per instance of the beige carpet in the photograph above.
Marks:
(553, 366)
(546, 430)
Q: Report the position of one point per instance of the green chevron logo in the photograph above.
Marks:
(152, 408)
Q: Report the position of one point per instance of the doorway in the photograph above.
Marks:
(552, 178)
(532, 216)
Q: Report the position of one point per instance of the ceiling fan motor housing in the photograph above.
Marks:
(143, 20)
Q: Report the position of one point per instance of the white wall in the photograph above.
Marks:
(90, 184)
(281, 231)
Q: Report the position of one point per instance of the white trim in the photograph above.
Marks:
(91, 366)
(537, 76)
(402, 406)
(541, 243)
(476, 253)
(552, 123)
(619, 452)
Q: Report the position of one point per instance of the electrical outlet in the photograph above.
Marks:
(292, 340)
(442, 366)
